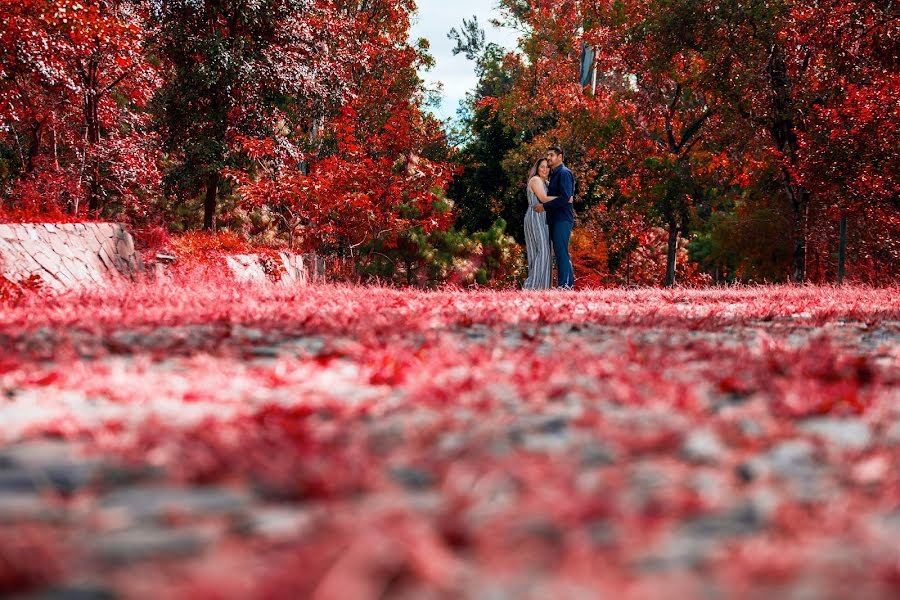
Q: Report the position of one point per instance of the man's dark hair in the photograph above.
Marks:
(557, 149)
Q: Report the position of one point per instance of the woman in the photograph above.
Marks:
(537, 235)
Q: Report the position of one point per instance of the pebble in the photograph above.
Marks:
(552, 443)
(885, 528)
(602, 534)
(744, 519)
(750, 428)
(694, 543)
(265, 351)
(597, 455)
(553, 425)
(847, 434)
(790, 458)
(150, 502)
(17, 481)
(74, 592)
(702, 446)
(275, 522)
(892, 435)
(21, 507)
(413, 478)
(133, 545)
(49, 464)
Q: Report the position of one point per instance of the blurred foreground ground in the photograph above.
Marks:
(204, 440)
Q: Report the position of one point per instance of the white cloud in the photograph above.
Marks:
(434, 21)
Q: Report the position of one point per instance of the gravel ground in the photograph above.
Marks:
(485, 458)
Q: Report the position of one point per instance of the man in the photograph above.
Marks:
(561, 215)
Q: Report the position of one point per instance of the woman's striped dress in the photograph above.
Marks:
(537, 245)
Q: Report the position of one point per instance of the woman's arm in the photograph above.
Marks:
(537, 186)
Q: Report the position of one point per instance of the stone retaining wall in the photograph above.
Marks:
(68, 256)
(75, 255)
(292, 269)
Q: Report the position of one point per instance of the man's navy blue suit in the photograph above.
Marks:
(560, 220)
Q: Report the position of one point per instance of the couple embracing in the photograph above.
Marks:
(549, 221)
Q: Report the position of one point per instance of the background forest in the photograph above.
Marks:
(713, 141)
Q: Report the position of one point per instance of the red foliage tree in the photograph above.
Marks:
(247, 82)
(369, 176)
(639, 139)
(749, 105)
(73, 81)
(848, 156)
(589, 253)
(811, 88)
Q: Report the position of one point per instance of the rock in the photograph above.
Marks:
(846, 434)
(872, 470)
(413, 478)
(892, 434)
(693, 544)
(744, 519)
(796, 467)
(275, 523)
(477, 332)
(74, 592)
(311, 345)
(885, 529)
(18, 508)
(646, 483)
(265, 351)
(710, 487)
(36, 453)
(702, 446)
(750, 428)
(132, 545)
(677, 552)
(17, 481)
(246, 268)
(804, 478)
(452, 442)
(746, 472)
(144, 503)
(553, 425)
(50, 464)
(546, 443)
(112, 475)
(602, 534)
(597, 455)
(790, 458)
(539, 529)
(68, 478)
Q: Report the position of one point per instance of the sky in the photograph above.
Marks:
(433, 22)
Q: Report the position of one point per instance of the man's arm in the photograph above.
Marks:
(566, 191)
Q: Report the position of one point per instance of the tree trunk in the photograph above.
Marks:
(34, 146)
(209, 203)
(92, 121)
(842, 249)
(54, 143)
(800, 205)
(628, 271)
(783, 130)
(671, 254)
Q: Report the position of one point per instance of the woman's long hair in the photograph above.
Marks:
(534, 169)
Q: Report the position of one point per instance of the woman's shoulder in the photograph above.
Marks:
(538, 182)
